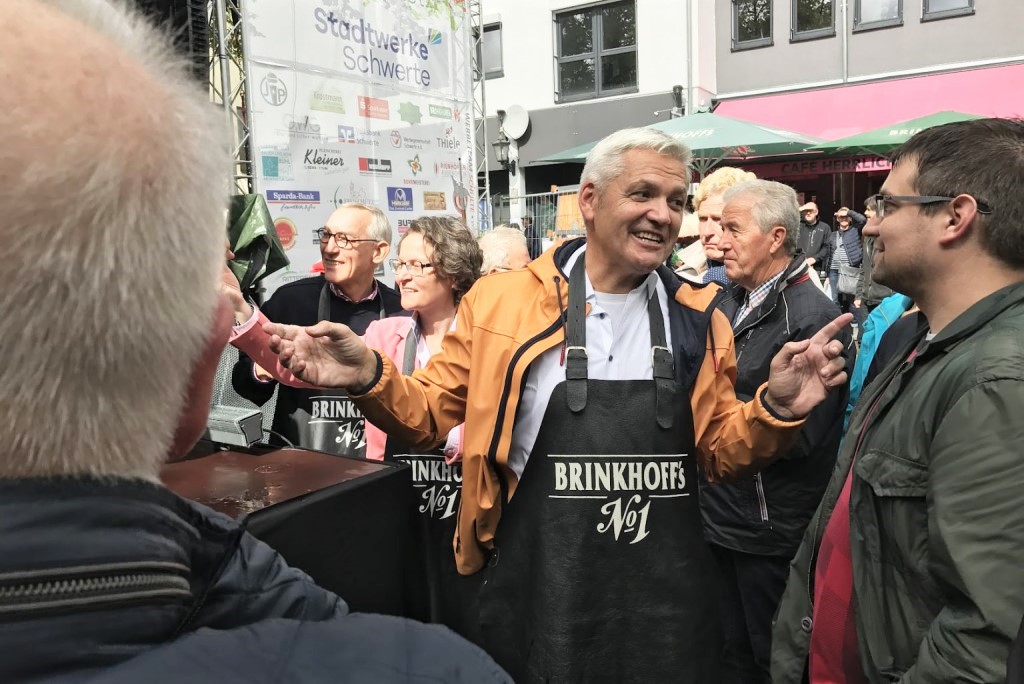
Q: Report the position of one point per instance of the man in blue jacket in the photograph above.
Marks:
(112, 331)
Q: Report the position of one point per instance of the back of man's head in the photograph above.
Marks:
(504, 249)
(983, 158)
(113, 198)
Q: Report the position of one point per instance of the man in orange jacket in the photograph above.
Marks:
(581, 453)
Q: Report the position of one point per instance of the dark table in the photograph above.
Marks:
(346, 522)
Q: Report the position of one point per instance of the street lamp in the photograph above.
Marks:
(502, 144)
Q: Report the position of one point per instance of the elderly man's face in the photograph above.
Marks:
(355, 265)
(633, 222)
(709, 215)
(809, 215)
(749, 253)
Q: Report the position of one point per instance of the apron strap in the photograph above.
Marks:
(323, 308)
(661, 360)
(412, 341)
(576, 339)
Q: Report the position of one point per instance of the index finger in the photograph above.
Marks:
(285, 332)
(832, 329)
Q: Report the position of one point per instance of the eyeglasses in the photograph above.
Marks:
(879, 202)
(414, 268)
(343, 241)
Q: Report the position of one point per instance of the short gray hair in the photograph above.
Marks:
(497, 243)
(774, 205)
(109, 304)
(604, 162)
(380, 227)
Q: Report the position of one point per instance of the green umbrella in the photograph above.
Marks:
(713, 138)
(887, 138)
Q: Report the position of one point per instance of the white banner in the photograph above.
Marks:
(359, 100)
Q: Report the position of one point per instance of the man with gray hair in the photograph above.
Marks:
(593, 385)
(354, 241)
(755, 524)
(112, 329)
(504, 249)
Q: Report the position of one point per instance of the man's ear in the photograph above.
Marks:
(588, 201)
(192, 419)
(960, 217)
(778, 237)
(380, 252)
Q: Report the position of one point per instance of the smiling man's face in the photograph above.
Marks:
(634, 220)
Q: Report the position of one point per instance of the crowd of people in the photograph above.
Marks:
(658, 476)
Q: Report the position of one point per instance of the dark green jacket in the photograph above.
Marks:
(936, 508)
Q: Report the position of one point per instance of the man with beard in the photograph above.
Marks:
(910, 570)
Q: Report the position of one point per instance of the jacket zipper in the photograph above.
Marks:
(761, 501)
(492, 452)
(30, 591)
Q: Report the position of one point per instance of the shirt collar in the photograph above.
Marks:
(336, 291)
(650, 283)
(756, 296)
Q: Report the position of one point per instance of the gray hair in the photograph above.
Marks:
(497, 243)
(774, 205)
(380, 227)
(108, 296)
(604, 162)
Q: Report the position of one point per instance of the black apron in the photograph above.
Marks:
(450, 596)
(325, 419)
(599, 570)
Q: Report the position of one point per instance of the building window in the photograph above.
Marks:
(751, 24)
(813, 19)
(872, 14)
(941, 9)
(596, 51)
(490, 51)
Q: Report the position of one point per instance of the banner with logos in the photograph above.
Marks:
(359, 101)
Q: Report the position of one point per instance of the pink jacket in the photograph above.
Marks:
(388, 336)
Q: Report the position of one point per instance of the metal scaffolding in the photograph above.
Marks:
(228, 85)
(479, 104)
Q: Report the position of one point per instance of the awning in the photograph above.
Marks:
(841, 111)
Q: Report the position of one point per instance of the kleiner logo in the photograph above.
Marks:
(293, 197)
(434, 37)
(399, 199)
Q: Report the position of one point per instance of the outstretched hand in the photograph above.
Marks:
(326, 354)
(803, 373)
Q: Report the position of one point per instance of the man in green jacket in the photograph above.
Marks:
(911, 570)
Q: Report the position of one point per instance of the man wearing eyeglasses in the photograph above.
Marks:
(354, 241)
(911, 569)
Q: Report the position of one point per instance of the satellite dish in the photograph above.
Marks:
(516, 122)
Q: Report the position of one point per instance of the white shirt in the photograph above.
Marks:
(618, 348)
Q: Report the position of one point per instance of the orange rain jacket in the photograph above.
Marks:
(505, 322)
